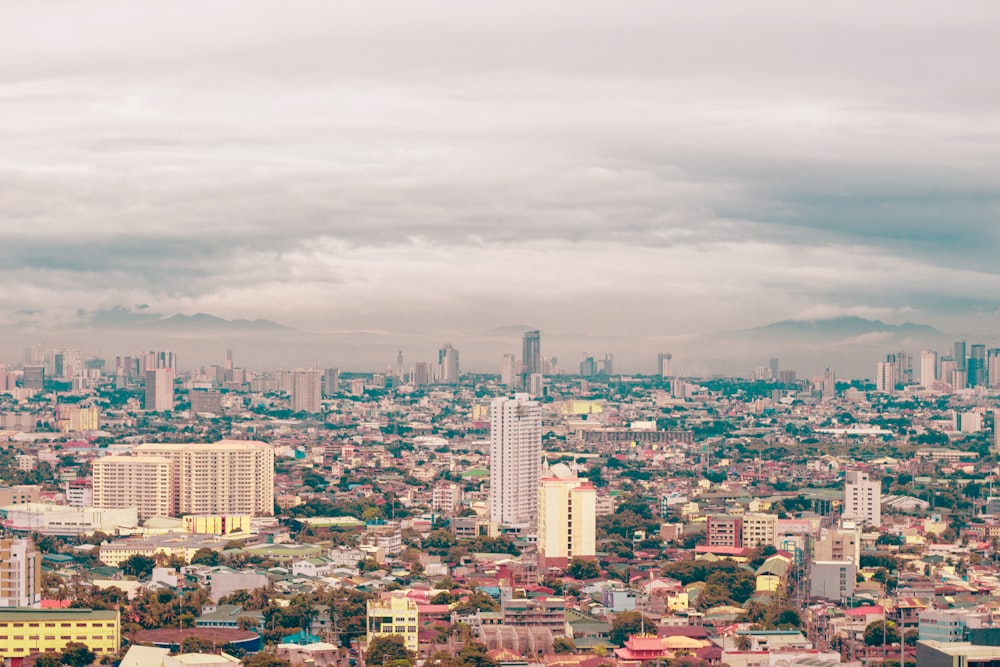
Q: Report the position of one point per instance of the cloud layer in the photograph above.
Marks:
(643, 170)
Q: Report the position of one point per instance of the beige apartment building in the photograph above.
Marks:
(143, 482)
(759, 530)
(226, 477)
(567, 518)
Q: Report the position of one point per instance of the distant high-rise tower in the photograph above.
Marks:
(977, 371)
(665, 365)
(448, 364)
(885, 376)
(306, 390)
(399, 365)
(773, 365)
(331, 381)
(421, 373)
(33, 377)
(959, 355)
(508, 370)
(928, 368)
(159, 390)
(515, 460)
(607, 365)
(531, 355)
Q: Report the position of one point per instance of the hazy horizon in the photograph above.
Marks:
(627, 178)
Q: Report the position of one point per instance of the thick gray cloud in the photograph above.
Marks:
(643, 169)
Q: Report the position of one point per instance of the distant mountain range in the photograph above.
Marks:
(840, 327)
(123, 318)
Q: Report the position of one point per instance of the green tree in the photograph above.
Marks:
(196, 644)
(77, 655)
(138, 565)
(206, 556)
(629, 623)
(474, 654)
(264, 659)
(49, 660)
(387, 648)
(880, 633)
(563, 645)
(580, 568)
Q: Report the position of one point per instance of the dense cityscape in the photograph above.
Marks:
(425, 515)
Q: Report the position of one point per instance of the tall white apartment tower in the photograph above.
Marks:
(515, 460)
(928, 368)
(862, 498)
(159, 390)
(885, 376)
(20, 573)
(306, 392)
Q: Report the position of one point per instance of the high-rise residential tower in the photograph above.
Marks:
(226, 477)
(307, 393)
(665, 365)
(448, 364)
(928, 368)
(159, 390)
(531, 355)
(515, 460)
(959, 355)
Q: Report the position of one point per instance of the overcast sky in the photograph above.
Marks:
(633, 169)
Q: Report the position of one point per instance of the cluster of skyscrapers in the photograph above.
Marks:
(963, 368)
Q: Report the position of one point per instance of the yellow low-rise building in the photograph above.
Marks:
(217, 524)
(393, 616)
(24, 631)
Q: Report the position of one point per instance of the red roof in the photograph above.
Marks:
(864, 611)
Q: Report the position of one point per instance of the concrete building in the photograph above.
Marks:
(393, 615)
(73, 418)
(724, 531)
(226, 477)
(515, 460)
(49, 519)
(209, 401)
(862, 499)
(27, 631)
(307, 395)
(19, 495)
(839, 545)
(159, 390)
(949, 625)
(760, 530)
(567, 518)
(885, 377)
(832, 580)
(20, 573)
(143, 482)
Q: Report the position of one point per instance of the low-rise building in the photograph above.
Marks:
(26, 631)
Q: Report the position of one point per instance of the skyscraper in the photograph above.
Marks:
(773, 365)
(665, 365)
(159, 390)
(515, 460)
(331, 381)
(928, 368)
(508, 370)
(531, 355)
(885, 376)
(959, 355)
(448, 364)
(977, 366)
(307, 390)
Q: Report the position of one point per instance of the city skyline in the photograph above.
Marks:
(649, 176)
